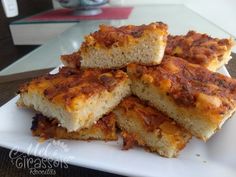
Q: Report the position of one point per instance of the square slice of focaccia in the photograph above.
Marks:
(115, 47)
(196, 98)
(77, 98)
(148, 127)
(103, 129)
(201, 49)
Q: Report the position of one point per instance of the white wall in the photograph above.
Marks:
(220, 12)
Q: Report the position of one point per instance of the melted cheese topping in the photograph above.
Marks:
(151, 117)
(190, 85)
(108, 36)
(69, 86)
(50, 128)
(198, 48)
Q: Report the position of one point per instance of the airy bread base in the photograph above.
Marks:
(89, 111)
(155, 141)
(149, 50)
(198, 124)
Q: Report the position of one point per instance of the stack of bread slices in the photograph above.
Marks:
(159, 90)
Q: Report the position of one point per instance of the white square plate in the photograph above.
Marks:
(215, 158)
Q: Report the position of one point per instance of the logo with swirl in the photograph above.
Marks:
(44, 165)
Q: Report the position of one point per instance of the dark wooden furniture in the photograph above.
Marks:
(8, 51)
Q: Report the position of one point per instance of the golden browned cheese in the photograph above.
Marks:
(197, 48)
(69, 85)
(108, 36)
(152, 121)
(103, 129)
(190, 85)
(72, 60)
(129, 140)
(150, 116)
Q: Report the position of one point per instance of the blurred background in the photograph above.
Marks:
(218, 12)
(8, 51)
